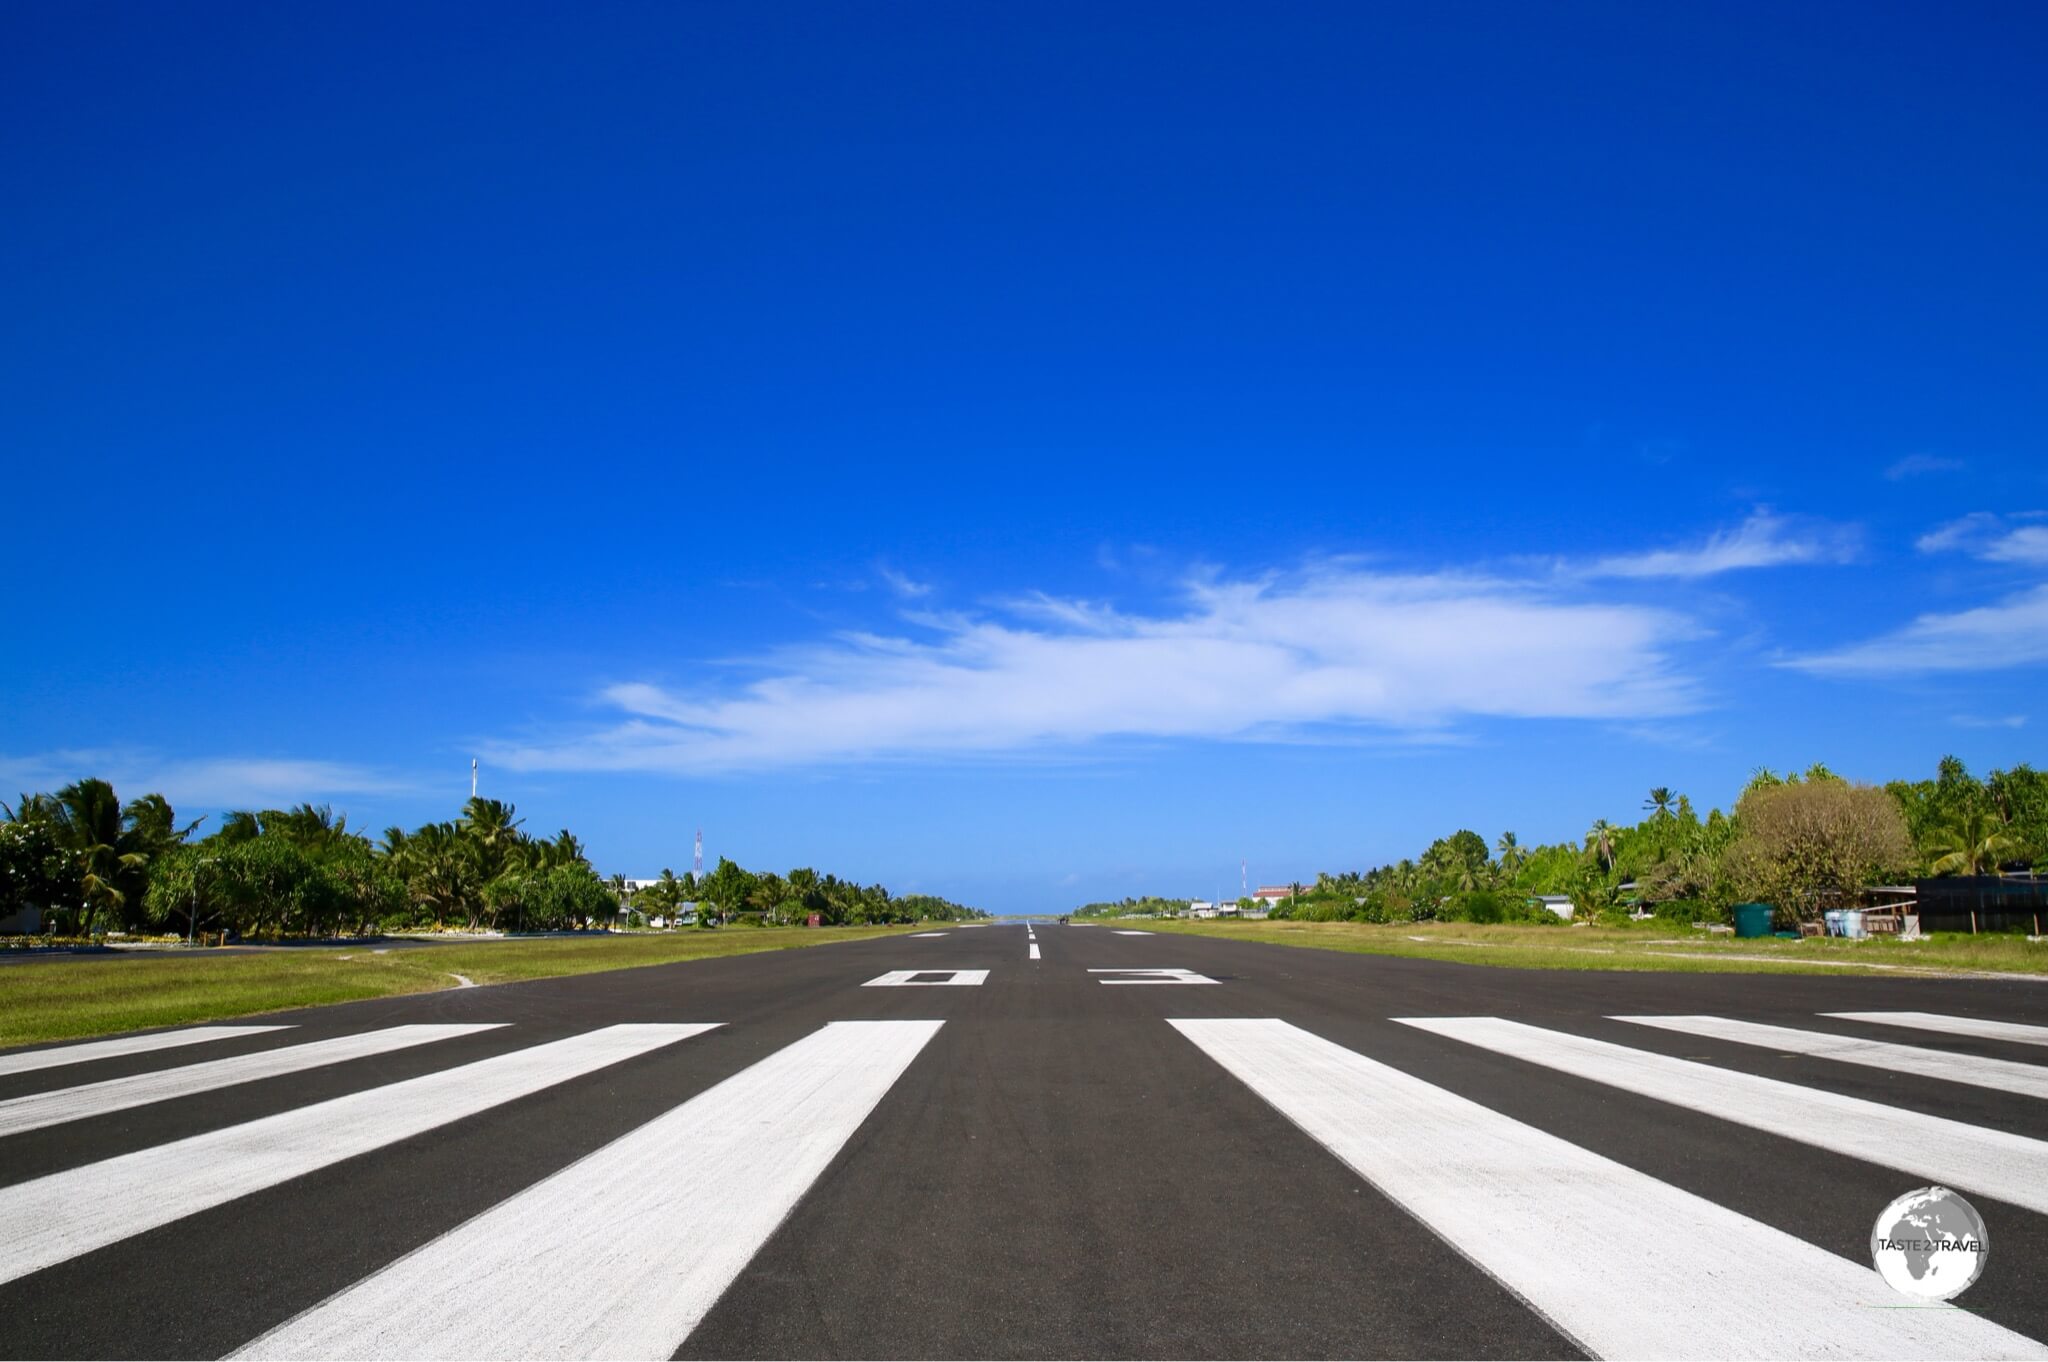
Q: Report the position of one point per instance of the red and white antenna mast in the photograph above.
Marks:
(697, 862)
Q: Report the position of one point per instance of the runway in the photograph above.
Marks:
(1044, 1141)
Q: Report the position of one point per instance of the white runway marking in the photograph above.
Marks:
(124, 1045)
(65, 1214)
(1532, 1210)
(920, 936)
(1034, 950)
(2025, 1080)
(1122, 932)
(37, 1110)
(621, 1254)
(1974, 1027)
(1154, 976)
(2009, 1167)
(928, 978)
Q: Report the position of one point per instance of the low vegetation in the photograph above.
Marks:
(1639, 946)
(91, 865)
(1804, 843)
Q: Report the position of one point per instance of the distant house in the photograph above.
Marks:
(1561, 904)
(1270, 894)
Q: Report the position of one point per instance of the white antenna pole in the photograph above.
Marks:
(472, 777)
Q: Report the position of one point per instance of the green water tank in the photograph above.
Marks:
(1752, 919)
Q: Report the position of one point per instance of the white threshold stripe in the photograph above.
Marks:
(1034, 950)
(2010, 1167)
(2025, 1080)
(124, 1045)
(1679, 1276)
(58, 1217)
(621, 1254)
(33, 1112)
(1976, 1028)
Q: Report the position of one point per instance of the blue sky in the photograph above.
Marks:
(1020, 452)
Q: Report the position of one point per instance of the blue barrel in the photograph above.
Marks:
(1752, 919)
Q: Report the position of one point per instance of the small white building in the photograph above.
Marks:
(1560, 904)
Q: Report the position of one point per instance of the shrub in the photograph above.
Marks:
(1480, 906)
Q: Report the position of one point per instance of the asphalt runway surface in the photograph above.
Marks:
(1054, 1141)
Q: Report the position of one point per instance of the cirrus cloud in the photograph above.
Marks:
(2011, 633)
(1763, 540)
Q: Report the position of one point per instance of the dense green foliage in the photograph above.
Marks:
(731, 893)
(1803, 841)
(1139, 907)
(94, 865)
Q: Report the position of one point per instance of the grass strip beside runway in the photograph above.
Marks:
(74, 998)
(1644, 948)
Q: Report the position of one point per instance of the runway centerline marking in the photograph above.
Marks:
(55, 1218)
(1034, 950)
(1154, 976)
(2007, 1166)
(2004, 1075)
(923, 936)
(1124, 932)
(1976, 1028)
(33, 1112)
(1531, 1210)
(656, 1224)
(922, 978)
(124, 1045)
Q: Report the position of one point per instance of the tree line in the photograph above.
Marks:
(93, 864)
(731, 892)
(1804, 842)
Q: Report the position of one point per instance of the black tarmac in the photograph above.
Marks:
(1058, 1174)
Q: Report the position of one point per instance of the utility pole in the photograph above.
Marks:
(472, 777)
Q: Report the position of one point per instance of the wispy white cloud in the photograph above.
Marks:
(1989, 721)
(1265, 659)
(2011, 633)
(202, 782)
(1763, 540)
(1919, 465)
(2013, 538)
(902, 584)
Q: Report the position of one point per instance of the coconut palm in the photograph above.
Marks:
(1659, 802)
(1971, 843)
(1600, 840)
(1510, 851)
(111, 846)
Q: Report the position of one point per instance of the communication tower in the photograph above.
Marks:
(697, 861)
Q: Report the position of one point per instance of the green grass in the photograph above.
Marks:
(1648, 946)
(73, 998)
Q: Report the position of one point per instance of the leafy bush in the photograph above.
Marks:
(1480, 905)
(1374, 909)
(1685, 912)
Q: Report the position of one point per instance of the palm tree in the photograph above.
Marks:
(668, 895)
(1659, 803)
(1510, 853)
(111, 846)
(1600, 839)
(1972, 843)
